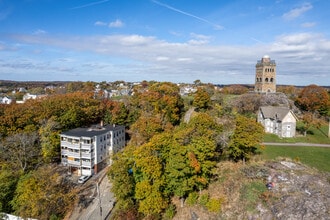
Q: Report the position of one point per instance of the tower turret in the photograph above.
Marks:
(265, 75)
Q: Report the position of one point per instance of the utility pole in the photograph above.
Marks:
(98, 193)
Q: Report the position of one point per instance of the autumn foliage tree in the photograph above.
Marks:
(41, 194)
(245, 141)
(172, 163)
(160, 108)
(202, 99)
(314, 99)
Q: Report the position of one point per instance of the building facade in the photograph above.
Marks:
(86, 151)
(265, 81)
(278, 120)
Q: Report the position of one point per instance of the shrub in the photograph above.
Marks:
(203, 199)
(170, 212)
(214, 205)
(192, 198)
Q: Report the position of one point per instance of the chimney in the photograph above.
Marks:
(101, 123)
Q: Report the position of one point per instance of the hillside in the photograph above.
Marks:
(298, 192)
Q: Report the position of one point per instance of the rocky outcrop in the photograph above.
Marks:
(298, 192)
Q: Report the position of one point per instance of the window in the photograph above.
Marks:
(86, 141)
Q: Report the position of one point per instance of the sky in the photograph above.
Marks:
(180, 41)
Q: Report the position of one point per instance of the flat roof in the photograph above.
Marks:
(91, 131)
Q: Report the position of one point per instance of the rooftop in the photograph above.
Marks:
(92, 131)
(274, 112)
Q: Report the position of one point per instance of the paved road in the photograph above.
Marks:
(296, 144)
(102, 203)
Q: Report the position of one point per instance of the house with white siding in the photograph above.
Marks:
(6, 100)
(86, 151)
(278, 120)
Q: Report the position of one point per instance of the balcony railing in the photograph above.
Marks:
(73, 154)
(72, 162)
(86, 155)
(86, 146)
(88, 164)
(70, 145)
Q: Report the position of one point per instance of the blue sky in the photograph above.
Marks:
(215, 41)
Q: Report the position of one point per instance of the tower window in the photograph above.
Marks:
(266, 80)
(271, 79)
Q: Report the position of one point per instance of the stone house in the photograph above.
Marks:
(278, 120)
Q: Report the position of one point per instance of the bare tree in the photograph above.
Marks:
(21, 150)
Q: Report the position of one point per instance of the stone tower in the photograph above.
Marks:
(265, 75)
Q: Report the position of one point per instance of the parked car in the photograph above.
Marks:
(83, 179)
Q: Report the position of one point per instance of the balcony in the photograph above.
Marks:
(86, 146)
(73, 154)
(88, 164)
(87, 155)
(72, 162)
(70, 145)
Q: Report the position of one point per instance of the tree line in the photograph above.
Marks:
(174, 144)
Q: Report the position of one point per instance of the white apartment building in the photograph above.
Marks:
(86, 151)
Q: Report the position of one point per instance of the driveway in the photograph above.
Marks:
(101, 196)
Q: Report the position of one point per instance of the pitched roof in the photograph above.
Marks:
(274, 112)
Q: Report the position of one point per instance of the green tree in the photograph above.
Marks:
(191, 156)
(148, 172)
(309, 121)
(121, 176)
(8, 181)
(50, 140)
(246, 139)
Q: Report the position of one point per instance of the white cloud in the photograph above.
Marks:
(160, 58)
(116, 24)
(308, 24)
(297, 12)
(100, 23)
(298, 55)
(199, 39)
(39, 31)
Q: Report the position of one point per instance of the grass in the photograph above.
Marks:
(313, 136)
(317, 157)
(250, 193)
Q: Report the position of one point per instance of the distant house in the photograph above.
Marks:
(32, 96)
(86, 151)
(278, 120)
(6, 100)
(187, 90)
